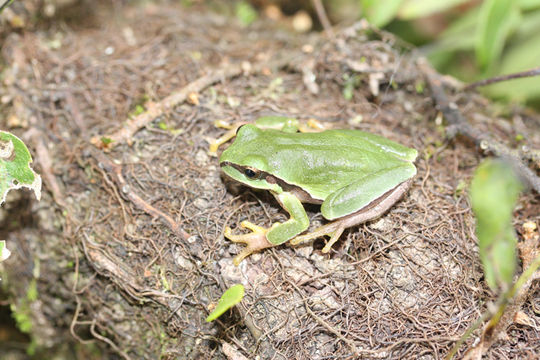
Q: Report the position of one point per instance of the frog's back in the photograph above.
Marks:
(352, 139)
(324, 162)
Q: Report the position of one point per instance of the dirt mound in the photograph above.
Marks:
(126, 247)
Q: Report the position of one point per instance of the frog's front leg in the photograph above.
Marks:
(255, 241)
(261, 238)
(231, 132)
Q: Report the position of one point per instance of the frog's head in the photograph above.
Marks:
(246, 161)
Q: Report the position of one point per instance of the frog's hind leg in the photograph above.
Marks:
(333, 229)
(373, 211)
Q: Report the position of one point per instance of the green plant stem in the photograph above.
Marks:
(468, 333)
(5, 5)
(501, 303)
(535, 264)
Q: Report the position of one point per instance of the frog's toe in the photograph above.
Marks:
(213, 147)
(255, 228)
(255, 241)
(216, 143)
(334, 230)
(333, 238)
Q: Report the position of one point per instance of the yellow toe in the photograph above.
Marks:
(255, 240)
(255, 228)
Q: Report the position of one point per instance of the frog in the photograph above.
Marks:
(355, 176)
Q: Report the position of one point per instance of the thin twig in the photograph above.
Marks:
(116, 172)
(108, 341)
(154, 110)
(459, 125)
(42, 155)
(74, 322)
(501, 78)
(331, 329)
(232, 352)
(323, 18)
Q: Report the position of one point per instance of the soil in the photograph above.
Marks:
(125, 252)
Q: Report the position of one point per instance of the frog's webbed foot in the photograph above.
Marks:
(334, 230)
(255, 241)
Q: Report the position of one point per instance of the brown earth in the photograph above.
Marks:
(126, 248)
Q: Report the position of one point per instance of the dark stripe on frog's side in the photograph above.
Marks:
(304, 196)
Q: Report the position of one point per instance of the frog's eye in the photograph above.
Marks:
(250, 173)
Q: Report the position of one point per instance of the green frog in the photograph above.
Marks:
(355, 176)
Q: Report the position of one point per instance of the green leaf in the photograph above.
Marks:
(522, 55)
(106, 140)
(15, 171)
(494, 24)
(139, 109)
(413, 9)
(4, 252)
(350, 83)
(494, 192)
(245, 13)
(456, 38)
(380, 13)
(529, 26)
(529, 4)
(163, 126)
(348, 91)
(231, 297)
(460, 30)
(32, 290)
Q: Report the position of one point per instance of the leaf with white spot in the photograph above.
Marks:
(4, 252)
(15, 170)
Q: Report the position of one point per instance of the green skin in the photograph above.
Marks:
(345, 171)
